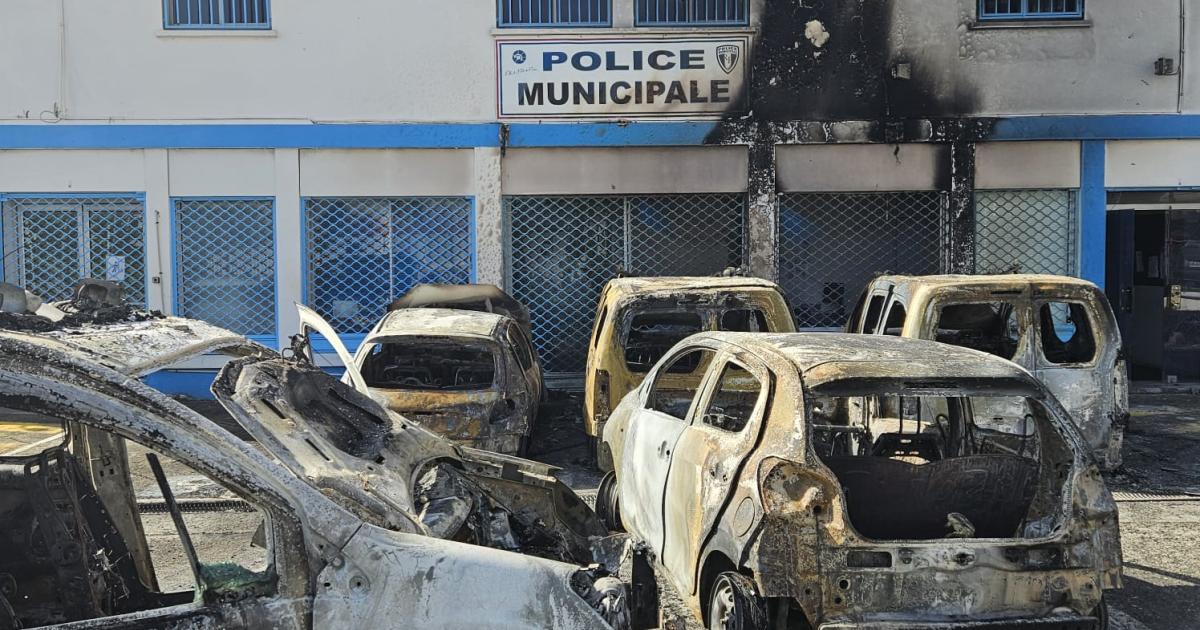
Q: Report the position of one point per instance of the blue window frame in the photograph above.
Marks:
(691, 12)
(553, 13)
(217, 14)
(223, 263)
(1030, 9)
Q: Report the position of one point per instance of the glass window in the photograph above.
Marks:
(1030, 9)
(1066, 333)
(537, 13)
(217, 14)
(690, 12)
(744, 320)
(895, 320)
(986, 326)
(675, 401)
(732, 403)
(652, 334)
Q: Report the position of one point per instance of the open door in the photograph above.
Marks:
(311, 322)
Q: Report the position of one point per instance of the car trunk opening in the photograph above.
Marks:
(947, 465)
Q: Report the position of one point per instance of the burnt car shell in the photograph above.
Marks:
(1093, 385)
(867, 541)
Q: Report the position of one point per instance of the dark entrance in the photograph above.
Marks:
(1153, 282)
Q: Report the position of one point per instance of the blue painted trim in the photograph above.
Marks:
(474, 243)
(239, 136)
(1121, 127)
(195, 384)
(500, 23)
(1093, 206)
(583, 134)
(140, 196)
(1154, 189)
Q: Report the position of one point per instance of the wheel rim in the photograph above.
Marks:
(721, 613)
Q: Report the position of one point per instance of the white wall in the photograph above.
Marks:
(1152, 163)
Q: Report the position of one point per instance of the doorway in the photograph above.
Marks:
(1153, 282)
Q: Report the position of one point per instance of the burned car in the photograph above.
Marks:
(344, 515)
(485, 298)
(842, 481)
(470, 376)
(639, 319)
(1059, 328)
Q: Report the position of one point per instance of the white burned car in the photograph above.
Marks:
(846, 481)
(348, 517)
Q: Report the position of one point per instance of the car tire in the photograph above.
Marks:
(734, 604)
(608, 507)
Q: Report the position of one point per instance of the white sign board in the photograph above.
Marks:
(621, 77)
(114, 268)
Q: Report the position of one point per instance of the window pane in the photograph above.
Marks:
(675, 401)
(732, 403)
(744, 320)
(1066, 333)
(989, 327)
(871, 322)
(895, 320)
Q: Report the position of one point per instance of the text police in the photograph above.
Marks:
(601, 91)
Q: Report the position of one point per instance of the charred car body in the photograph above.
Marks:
(639, 319)
(364, 515)
(1059, 328)
(846, 481)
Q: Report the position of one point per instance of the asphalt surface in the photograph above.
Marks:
(1157, 489)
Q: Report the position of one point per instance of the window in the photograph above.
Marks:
(225, 263)
(675, 402)
(599, 326)
(1030, 9)
(652, 334)
(871, 322)
(690, 12)
(521, 347)
(1066, 333)
(989, 327)
(217, 14)
(744, 320)
(732, 403)
(361, 253)
(535, 13)
(895, 320)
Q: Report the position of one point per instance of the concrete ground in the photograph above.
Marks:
(1157, 489)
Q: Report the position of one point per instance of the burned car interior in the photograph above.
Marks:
(655, 325)
(921, 464)
(415, 363)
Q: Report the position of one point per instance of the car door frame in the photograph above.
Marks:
(701, 477)
(641, 488)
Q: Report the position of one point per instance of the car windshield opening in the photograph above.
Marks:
(441, 364)
(989, 327)
(922, 467)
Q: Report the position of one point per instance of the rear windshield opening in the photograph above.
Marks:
(424, 364)
(1066, 333)
(990, 327)
(652, 334)
(930, 467)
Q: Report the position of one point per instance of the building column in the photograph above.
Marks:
(289, 246)
(959, 254)
(1093, 208)
(762, 212)
(489, 217)
(159, 265)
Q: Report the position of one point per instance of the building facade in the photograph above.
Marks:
(225, 159)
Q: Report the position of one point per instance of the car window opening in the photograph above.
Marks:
(931, 467)
(732, 402)
(430, 364)
(676, 401)
(653, 333)
(1066, 333)
(989, 327)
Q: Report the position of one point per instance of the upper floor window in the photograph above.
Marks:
(535, 13)
(1030, 9)
(217, 14)
(691, 12)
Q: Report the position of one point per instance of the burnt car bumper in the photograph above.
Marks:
(1044, 623)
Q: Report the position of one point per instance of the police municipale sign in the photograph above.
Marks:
(580, 78)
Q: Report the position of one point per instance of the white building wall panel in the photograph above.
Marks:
(48, 171)
(1026, 165)
(858, 167)
(386, 172)
(222, 173)
(1152, 163)
(614, 171)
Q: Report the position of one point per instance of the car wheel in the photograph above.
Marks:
(734, 604)
(607, 506)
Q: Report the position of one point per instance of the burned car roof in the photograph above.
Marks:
(487, 298)
(998, 280)
(826, 357)
(626, 287)
(438, 322)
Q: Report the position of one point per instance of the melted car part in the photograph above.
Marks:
(416, 364)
